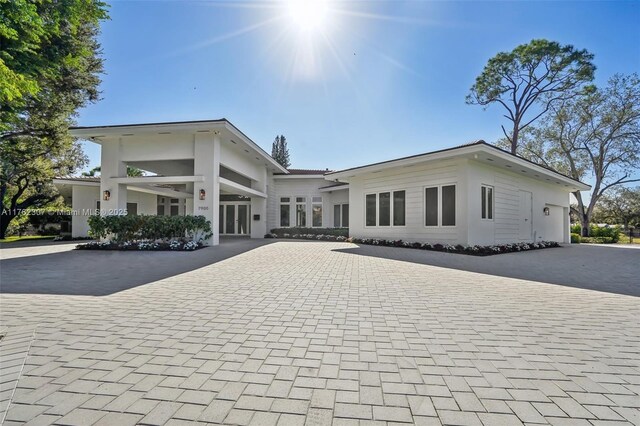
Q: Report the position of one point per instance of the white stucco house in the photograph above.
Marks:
(471, 194)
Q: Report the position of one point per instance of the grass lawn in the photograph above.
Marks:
(27, 238)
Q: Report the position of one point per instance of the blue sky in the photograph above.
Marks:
(372, 81)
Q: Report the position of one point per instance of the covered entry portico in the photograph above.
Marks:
(217, 170)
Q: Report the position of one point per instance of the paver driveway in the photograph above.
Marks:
(322, 333)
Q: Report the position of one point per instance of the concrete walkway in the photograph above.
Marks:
(262, 332)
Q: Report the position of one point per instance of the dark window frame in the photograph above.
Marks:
(391, 209)
(440, 207)
(487, 202)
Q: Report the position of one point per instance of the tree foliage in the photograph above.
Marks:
(131, 171)
(621, 206)
(530, 80)
(49, 68)
(280, 151)
(593, 137)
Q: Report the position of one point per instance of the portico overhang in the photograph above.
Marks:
(224, 128)
(236, 188)
(157, 179)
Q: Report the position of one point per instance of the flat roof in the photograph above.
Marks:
(95, 132)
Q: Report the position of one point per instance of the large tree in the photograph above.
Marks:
(621, 206)
(530, 80)
(280, 151)
(49, 68)
(593, 137)
(131, 171)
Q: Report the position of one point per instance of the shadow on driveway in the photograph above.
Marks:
(100, 273)
(612, 269)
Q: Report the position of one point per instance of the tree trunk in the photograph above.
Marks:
(5, 220)
(585, 223)
(514, 139)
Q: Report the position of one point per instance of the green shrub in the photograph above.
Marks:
(338, 232)
(576, 229)
(606, 233)
(154, 228)
(575, 238)
(598, 240)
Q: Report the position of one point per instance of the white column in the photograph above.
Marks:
(259, 207)
(207, 164)
(111, 166)
(188, 202)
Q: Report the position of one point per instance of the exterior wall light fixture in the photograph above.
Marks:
(203, 194)
(106, 195)
(546, 211)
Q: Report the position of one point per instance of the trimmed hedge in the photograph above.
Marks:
(459, 249)
(599, 234)
(289, 232)
(575, 238)
(131, 228)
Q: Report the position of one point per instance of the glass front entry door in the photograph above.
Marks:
(234, 218)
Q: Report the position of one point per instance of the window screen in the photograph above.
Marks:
(371, 210)
(398, 208)
(285, 210)
(301, 215)
(431, 206)
(316, 215)
(132, 209)
(384, 209)
(336, 216)
(345, 215)
(449, 205)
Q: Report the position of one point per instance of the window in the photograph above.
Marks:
(487, 202)
(382, 207)
(301, 211)
(449, 205)
(440, 206)
(160, 210)
(285, 212)
(398, 208)
(132, 209)
(345, 215)
(316, 211)
(341, 216)
(431, 206)
(371, 210)
(174, 208)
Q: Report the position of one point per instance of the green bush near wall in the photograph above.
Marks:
(575, 238)
(338, 232)
(152, 228)
(598, 234)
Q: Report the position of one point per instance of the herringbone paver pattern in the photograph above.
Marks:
(308, 333)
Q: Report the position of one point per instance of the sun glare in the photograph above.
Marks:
(308, 15)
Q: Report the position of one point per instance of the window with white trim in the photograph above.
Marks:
(301, 211)
(370, 206)
(399, 210)
(486, 192)
(341, 215)
(440, 205)
(316, 211)
(285, 212)
(385, 209)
